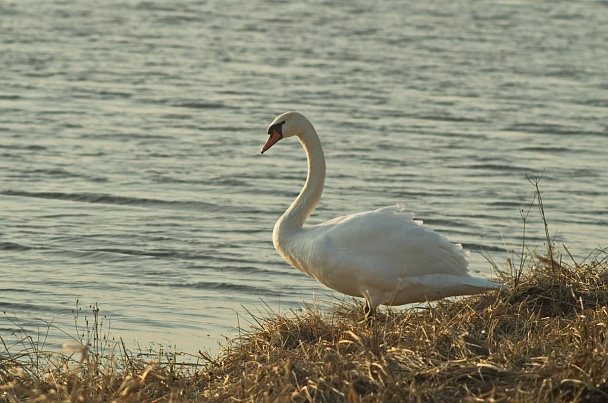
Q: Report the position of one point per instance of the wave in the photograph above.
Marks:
(553, 129)
(495, 167)
(10, 246)
(190, 103)
(199, 105)
(230, 182)
(15, 306)
(482, 248)
(102, 198)
(546, 149)
(222, 286)
(118, 253)
(449, 118)
(29, 147)
(61, 173)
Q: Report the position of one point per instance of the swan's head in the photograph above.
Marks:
(287, 124)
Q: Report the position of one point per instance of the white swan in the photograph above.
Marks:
(383, 255)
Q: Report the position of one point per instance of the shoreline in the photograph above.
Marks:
(541, 339)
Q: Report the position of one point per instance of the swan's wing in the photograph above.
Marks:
(389, 243)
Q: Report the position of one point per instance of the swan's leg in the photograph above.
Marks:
(370, 315)
(369, 311)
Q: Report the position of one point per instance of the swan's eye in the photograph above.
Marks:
(276, 128)
(280, 128)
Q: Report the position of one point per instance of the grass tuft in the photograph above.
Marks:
(543, 339)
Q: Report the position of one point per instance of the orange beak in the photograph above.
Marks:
(275, 135)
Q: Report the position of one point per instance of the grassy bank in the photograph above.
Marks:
(544, 338)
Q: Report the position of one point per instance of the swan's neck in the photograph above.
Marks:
(309, 197)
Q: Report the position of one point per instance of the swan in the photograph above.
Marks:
(383, 256)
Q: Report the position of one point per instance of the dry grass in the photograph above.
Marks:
(544, 338)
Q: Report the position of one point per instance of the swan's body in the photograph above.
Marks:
(384, 256)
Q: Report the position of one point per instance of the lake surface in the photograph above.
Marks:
(130, 172)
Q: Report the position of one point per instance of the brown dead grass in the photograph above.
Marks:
(544, 339)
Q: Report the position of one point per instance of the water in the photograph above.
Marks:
(130, 173)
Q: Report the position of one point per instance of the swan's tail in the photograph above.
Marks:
(437, 286)
(483, 283)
